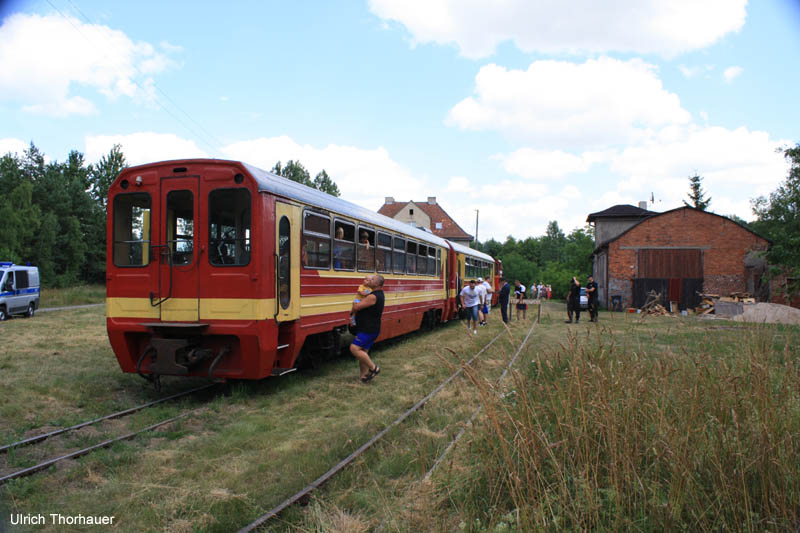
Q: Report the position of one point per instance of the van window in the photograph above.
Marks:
(229, 235)
(22, 279)
(132, 230)
(8, 284)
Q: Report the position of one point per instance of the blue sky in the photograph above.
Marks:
(528, 111)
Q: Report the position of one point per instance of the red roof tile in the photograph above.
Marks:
(450, 229)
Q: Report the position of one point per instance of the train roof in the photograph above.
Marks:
(272, 183)
(460, 248)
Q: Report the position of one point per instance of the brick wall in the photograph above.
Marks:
(724, 244)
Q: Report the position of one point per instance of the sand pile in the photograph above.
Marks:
(769, 313)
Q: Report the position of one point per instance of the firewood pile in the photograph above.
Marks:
(707, 300)
(652, 305)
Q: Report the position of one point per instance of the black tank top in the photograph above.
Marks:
(368, 320)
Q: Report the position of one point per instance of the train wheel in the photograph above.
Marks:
(31, 311)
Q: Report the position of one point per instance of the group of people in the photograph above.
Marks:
(540, 291)
(476, 299)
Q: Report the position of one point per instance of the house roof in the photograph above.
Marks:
(654, 215)
(450, 229)
(621, 211)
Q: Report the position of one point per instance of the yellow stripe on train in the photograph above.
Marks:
(186, 309)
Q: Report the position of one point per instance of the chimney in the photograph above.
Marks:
(643, 205)
(431, 200)
(389, 200)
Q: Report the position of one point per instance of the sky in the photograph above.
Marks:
(527, 111)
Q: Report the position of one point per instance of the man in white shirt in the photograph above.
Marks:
(487, 304)
(482, 291)
(470, 299)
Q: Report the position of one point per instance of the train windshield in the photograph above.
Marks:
(132, 230)
(229, 227)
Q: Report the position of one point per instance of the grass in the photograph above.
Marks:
(78, 295)
(633, 424)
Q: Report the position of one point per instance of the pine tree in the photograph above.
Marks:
(696, 194)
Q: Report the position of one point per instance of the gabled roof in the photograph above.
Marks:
(654, 215)
(621, 211)
(450, 229)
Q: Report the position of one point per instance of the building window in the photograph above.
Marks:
(411, 212)
(438, 225)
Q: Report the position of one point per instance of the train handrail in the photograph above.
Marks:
(164, 252)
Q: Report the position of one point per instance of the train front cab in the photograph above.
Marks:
(189, 252)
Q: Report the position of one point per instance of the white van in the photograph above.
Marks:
(19, 290)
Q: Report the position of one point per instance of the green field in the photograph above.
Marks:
(634, 423)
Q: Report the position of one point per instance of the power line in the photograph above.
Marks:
(203, 136)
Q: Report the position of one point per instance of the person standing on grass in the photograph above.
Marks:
(502, 300)
(519, 294)
(487, 304)
(591, 292)
(574, 300)
(481, 302)
(368, 319)
(470, 299)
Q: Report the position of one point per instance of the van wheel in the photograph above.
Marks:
(3, 314)
(30, 312)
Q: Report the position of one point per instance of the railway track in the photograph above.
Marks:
(300, 495)
(78, 453)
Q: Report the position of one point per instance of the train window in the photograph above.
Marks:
(316, 241)
(229, 227)
(132, 230)
(180, 226)
(431, 261)
(399, 256)
(284, 262)
(366, 249)
(383, 253)
(422, 259)
(439, 262)
(344, 245)
(411, 251)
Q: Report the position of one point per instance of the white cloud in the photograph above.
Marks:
(599, 102)
(13, 146)
(63, 54)
(543, 164)
(691, 72)
(143, 147)
(642, 26)
(731, 73)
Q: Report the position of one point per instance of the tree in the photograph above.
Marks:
(104, 173)
(778, 218)
(295, 171)
(324, 183)
(696, 194)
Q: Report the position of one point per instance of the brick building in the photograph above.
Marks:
(428, 215)
(677, 253)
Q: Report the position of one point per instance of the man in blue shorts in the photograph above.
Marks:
(368, 313)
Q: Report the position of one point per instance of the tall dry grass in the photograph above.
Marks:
(597, 436)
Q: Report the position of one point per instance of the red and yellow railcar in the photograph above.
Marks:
(216, 268)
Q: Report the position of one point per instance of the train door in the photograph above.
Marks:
(287, 261)
(177, 297)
